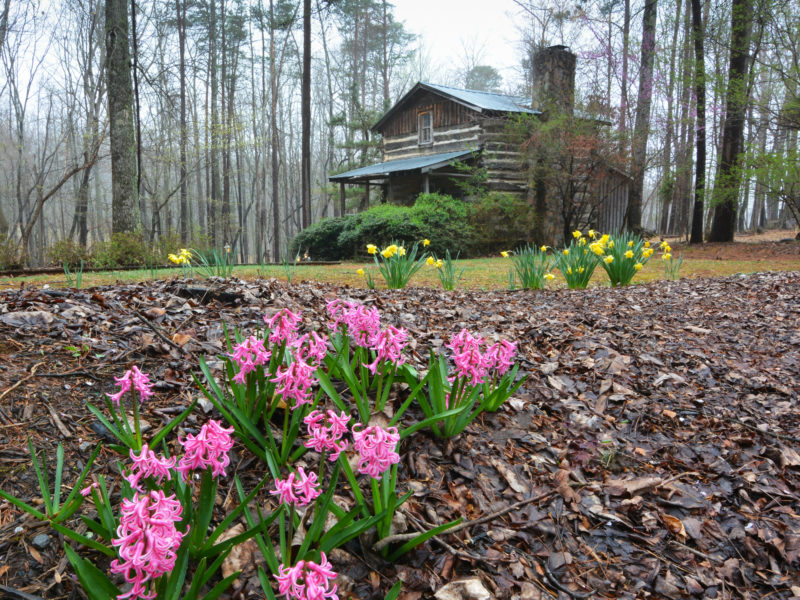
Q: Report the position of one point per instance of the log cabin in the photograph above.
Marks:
(432, 127)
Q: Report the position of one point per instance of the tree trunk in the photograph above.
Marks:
(700, 135)
(728, 178)
(180, 10)
(124, 216)
(641, 128)
(305, 157)
(214, 196)
(273, 123)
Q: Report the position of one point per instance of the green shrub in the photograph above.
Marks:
(321, 239)
(8, 253)
(500, 221)
(122, 250)
(441, 219)
(379, 225)
(67, 251)
(444, 221)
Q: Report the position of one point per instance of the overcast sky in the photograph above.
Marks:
(446, 26)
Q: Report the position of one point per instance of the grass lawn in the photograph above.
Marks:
(480, 273)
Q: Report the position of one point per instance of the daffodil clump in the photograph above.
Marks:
(531, 266)
(621, 256)
(577, 261)
(672, 266)
(182, 258)
(397, 265)
(448, 271)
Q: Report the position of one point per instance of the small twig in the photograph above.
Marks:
(59, 423)
(21, 381)
(780, 436)
(402, 537)
(708, 557)
(15, 593)
(560, 586)
(70, 374)
(464, 554)
(157, 331)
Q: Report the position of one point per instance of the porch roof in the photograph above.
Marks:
(423, 164)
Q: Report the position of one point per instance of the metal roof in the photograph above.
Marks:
(477, 101)
(487, 100)
(424, 164)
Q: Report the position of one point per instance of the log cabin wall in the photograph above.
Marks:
(503, 157)
(455, 127)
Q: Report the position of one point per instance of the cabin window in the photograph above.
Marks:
(425, 128)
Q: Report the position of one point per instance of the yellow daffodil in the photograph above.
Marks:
(597, 248)
(430, 261)
(566, 252)
(387, 253)
(592, 233)
(604, 239)
(667, 248)
(401, 251)
(576, 234)
(648, 252)
(581, 270)
(543, 248)
(629, 254)
(426, 242)
(372, 249)
(360, 272)
(569, 271)
(663, 245)
(439, 264)
(638, 266)
(549, 276)
(175, 258)
(611, 245)
(630, 244)
(582, 241)
(647, 244)
(504, 254)
(667, 256)
(608, 259)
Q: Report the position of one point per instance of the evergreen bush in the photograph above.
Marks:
(441, 219)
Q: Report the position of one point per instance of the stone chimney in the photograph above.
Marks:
(554, 80)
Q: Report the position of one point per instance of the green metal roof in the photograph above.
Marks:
(424, 164)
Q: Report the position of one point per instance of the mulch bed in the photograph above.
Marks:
(652, 452)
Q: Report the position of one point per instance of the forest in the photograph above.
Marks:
(198, 108)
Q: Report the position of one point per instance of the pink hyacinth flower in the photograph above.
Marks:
(311, 348)
(298, 488)
(500, 356)
(327, 439)
(467, 357)
(388, 346)
(133, 378)
(147, 540)
(209, 449)
(248, 355)
(295, 382)
(307, 580)
(283, 326)
(148, 464)
(376, 447)
(363, 325)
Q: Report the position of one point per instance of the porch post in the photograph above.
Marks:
(342, 207)
(426, 183)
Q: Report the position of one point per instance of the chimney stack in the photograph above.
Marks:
(554, 80)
